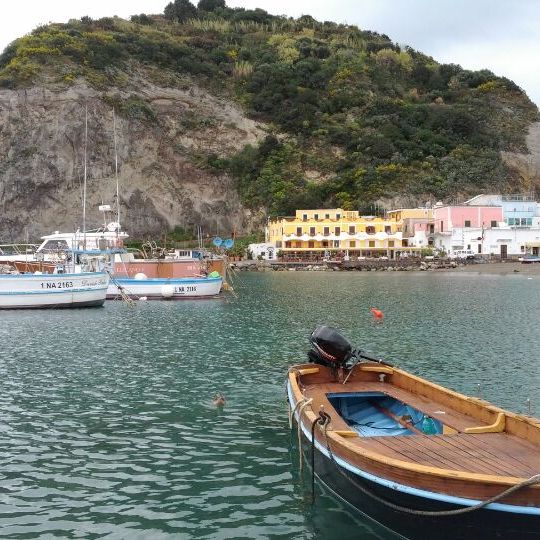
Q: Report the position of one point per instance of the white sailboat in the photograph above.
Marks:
(79, 279)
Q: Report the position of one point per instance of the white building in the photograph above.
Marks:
(504, 241)
(265, 251)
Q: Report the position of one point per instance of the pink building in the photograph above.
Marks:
(447, 218)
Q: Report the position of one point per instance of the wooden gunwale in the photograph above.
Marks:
(382, 457)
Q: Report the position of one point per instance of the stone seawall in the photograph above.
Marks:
(374, 265)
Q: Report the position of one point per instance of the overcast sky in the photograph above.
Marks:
(500, 35)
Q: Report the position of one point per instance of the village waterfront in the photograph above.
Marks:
(108, 427)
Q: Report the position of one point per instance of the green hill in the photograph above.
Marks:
(351, 117)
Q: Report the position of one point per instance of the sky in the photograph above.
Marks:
(500, 35)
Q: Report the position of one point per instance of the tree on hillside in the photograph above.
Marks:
(211, 5)
(180, 11)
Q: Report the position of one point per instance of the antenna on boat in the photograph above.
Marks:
(84, 181)
(116, 170)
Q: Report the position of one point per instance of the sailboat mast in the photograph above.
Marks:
(84, 181)
(116, 171)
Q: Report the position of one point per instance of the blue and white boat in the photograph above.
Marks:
(165, 289)
(66, 286)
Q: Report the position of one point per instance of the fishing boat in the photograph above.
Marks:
(423, 460)
(75, 285)
(165, 289)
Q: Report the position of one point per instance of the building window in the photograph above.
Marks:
(337, 231)
(522, 249)
(469, 246)
(442, 226)
(467, 223)
(370, 229)
(432, 228)
(387, 229)
(325, 243)
(326, 231)
(326, 216)
(304, 217)
(493, 224)
(316, 217)
(405, 243)
(287, 244)
(338, 216)
(372, 243)
(479, 248)
(278, 244)
(311, 244)
(298, 244)
(336, 243)
(299, 231)
(390, 243)
(352, 243)
(352, 229)
(312, 231)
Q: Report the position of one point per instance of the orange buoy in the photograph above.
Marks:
(378, 315)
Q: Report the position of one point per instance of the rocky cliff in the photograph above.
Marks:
(227, 116)
(162, 177)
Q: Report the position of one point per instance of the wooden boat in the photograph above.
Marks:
(421, 459)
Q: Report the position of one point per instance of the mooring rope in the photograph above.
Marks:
(300, 406)
(121, 290)
(324, 420)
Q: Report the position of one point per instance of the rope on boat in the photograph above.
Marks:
(324, 420)
(122, 291)
(300, 405)
(319, 420)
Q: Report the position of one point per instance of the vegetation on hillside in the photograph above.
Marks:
(353, 116)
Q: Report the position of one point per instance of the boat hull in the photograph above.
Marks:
(42, 291)
(340, 477)
(165, 289)
(485, 524)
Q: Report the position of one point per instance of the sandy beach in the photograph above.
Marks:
(501, 268)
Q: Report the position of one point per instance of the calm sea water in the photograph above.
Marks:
(107, 427)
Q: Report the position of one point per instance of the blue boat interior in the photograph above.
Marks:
(375, 414)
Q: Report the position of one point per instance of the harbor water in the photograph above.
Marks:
(107, 422)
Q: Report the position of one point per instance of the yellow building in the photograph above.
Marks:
(415, 224)
(327, 232)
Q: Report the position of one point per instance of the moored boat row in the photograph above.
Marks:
(178, 274)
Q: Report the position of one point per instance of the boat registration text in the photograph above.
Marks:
(57, 285)
(185, 289)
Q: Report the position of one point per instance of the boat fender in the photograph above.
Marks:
(167, 291)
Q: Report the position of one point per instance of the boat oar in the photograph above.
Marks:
(396, 418)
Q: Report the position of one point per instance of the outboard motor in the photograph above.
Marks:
(329, 347)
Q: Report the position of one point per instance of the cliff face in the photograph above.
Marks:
(526, 166)
(351, 120)
(161, 152)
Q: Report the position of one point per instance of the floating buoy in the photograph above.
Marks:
(378, 315)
